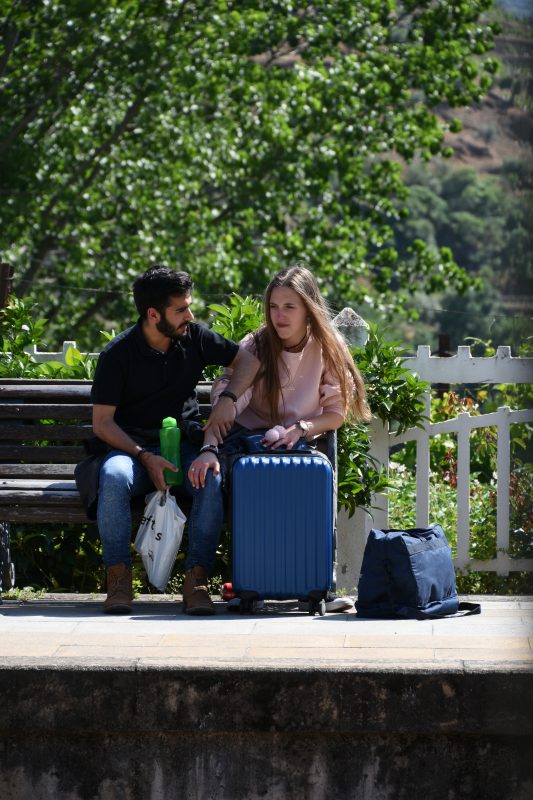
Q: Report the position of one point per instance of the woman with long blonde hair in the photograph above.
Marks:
(307, 383)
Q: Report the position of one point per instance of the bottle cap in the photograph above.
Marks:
(169, 422)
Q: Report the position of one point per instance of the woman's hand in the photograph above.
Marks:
(200, 465)
(289, 439)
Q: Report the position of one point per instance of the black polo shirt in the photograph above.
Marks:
(145, 385)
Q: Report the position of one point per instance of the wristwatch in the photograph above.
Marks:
(304, 426)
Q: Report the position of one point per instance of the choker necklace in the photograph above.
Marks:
(296, 347)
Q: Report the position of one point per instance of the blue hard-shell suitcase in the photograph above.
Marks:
(282, 528)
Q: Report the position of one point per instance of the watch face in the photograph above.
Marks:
(303, 425)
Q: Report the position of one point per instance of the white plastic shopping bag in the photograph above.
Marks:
(159, 537)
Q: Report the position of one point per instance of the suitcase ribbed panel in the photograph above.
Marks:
(282, 525)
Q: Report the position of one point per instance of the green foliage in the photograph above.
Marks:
(58, 557)
(358, 474)
(241, 316)
(394, 393)
(234, 320)
(230, 138)
(20, 332)
(394, 396)
(24, 595)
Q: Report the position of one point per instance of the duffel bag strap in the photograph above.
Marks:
(464, 610)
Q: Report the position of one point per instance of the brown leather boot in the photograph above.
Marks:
(119, 590)
(196, 600)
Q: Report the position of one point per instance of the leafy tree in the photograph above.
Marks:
(226, 137)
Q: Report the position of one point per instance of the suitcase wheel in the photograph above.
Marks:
(247, 604)
(317, 606)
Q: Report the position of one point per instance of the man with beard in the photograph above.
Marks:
(145, 374)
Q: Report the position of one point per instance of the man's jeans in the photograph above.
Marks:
(122, 477)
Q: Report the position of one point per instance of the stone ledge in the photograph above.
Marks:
(40, 699)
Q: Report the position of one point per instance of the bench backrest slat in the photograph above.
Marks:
(44, 433)
(32, 454)
(41, 496)
(44, 470)
(65, 515)
(46, 392)
(45, 411)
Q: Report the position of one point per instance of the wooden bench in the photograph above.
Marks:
(43, 424)
(42, 428)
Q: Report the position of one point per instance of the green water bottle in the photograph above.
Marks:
(169, 439)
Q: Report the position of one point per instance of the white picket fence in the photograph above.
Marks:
(460, 369)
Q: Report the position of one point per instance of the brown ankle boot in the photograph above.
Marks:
(196, 600)
(119, 590)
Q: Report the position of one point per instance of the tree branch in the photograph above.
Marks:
(35, 265)
(32, 111)
(104, 148)
(91, 309)
(10, 46)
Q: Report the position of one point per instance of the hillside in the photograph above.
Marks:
(500, 129)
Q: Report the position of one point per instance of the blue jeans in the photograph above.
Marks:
(122, 478)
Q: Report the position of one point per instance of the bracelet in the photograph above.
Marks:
(209, 448)
(140, 452)
(225, 393)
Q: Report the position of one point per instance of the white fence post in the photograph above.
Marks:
(351, 539)
(423, 469)
(463, 490)
(379, 451)
(503, 469)
(352, 531)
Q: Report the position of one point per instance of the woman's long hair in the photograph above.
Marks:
(337, 358)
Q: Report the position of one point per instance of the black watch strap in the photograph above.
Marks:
(225, 393)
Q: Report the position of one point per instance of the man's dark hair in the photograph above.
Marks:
(155, 287)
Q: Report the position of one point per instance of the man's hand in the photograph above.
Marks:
(200, 465)
(155, 465)
(221, 419)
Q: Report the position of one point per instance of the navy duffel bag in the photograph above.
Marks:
(409, 575)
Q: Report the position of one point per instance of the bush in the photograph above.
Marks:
(19, 332)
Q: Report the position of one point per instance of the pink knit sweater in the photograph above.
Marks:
(307, 389)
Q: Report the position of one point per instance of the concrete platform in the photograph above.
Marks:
(277, 705)
(71, 630)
